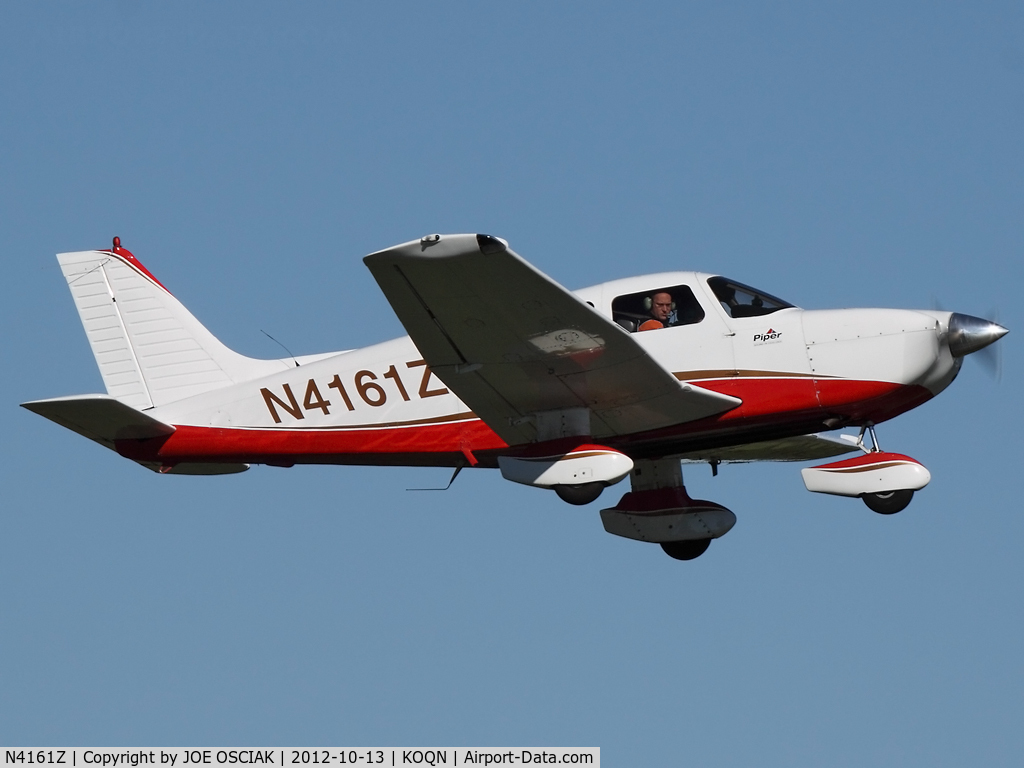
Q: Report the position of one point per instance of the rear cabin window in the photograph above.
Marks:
(740, 300)
(634, 310)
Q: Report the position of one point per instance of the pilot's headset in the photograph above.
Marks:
(649, 302)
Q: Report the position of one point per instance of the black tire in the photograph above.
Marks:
(686, 550)
(888, 503)
(579, 494)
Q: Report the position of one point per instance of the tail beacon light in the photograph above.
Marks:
(872, 473)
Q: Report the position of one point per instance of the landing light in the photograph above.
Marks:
(490, 245)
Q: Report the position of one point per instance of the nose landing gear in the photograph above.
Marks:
(686, 550)
(884, 481)
(888, 503)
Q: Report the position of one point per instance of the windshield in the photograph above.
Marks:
(741, 300)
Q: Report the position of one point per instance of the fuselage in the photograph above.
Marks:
(797, 372)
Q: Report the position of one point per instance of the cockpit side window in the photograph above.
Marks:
(660, 308)
(740, 300)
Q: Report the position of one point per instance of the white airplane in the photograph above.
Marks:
(504, 368)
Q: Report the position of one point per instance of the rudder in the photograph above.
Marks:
(149, 348)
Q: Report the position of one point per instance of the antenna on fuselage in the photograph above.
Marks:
(282, 347)
(454, 475)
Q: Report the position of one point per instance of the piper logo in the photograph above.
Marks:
(768, 337)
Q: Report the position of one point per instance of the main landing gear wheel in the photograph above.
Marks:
(579, 494)
(686, 550)
(888, 503)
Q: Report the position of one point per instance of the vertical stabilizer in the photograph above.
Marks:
(150, 349)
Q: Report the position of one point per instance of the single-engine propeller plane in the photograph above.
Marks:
(504, 368)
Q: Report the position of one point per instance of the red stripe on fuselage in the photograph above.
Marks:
(772, 408)
(857, 400)
(764, 397)
(876, 401)
(221, 444)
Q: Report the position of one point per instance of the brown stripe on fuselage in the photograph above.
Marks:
(867, 468)
(577, 455)
(732, 373)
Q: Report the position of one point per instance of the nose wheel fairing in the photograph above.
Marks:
(871, 473)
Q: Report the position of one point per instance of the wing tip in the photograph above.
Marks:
(441, 246)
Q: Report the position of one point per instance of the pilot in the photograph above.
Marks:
(660, 309)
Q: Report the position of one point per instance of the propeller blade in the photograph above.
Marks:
(991, 357)
(991, 360)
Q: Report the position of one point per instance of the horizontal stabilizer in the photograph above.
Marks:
(105, 419)
(99, 417)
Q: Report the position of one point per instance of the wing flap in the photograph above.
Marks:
(512, 343)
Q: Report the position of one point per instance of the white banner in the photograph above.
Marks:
(278, 757)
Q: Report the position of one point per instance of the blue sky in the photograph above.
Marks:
(854, 154)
